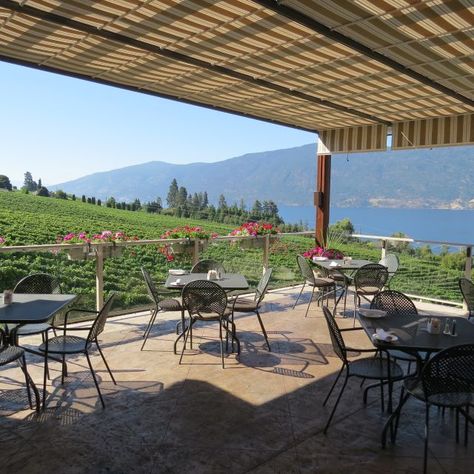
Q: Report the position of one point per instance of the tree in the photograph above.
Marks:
(28, 183)
(60, 194)
(73, 197)
(257, 209)
(5, 182)
(222, 205)
(205, 200)
(40, 184)
(99, 202)
(172, 197)
(83, 199)
(93, 200)
(111, 202)
(43, 192)
(137, 205)
(182, 196)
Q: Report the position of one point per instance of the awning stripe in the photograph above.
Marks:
(439, 131)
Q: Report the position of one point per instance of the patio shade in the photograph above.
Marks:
(315, 65)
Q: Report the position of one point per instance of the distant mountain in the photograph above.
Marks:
(442, 177)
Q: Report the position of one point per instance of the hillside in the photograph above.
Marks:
(27, 219)
(442, 177)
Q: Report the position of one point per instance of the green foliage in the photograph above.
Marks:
(5, 182)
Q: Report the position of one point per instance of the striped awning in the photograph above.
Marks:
(317, 65)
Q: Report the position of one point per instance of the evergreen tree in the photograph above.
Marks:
(256, 209)
(111, 202)
(137, 204)
(83, 198)
(205, 200)
(99, 202)
(40, 185)
(93, 200)
(89, 201)
(73, 197)
(222, 206)
(173, 194)
(28, 183)
(182, 196)
(43, 192)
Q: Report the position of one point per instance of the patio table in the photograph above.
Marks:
(228, 282)
(31, 308)
(343, 266)
(413, 338)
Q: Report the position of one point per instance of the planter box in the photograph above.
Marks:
(255, 243)
(187, 248)
(79, 253)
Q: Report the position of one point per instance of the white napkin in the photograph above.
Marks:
(383, 335)
(333, 264)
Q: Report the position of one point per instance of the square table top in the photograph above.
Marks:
(229, 281)
(413, 335)
(29, 308)
(354, 264)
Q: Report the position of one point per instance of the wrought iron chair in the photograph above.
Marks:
(245, 305)
(396, 304)
(207, 301)
(166, 304)
(368, 281)
(467, 289)
(324, 284)
(372, 368)
(8, 354)
(203, 266)
(392, 263)
(67, 344)
(447, 381)
(41, 283)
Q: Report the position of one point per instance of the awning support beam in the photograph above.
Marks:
(174, 55)
(318, 27)
(322, 198)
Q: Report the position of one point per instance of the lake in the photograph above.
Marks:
(424, 224)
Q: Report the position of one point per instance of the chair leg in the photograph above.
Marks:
(186, 334)
(333, 385)
(95, 379)
(336, 404)
(310, 301)
(221, 343)
(150, 321)
(46, 371)
(105, 362)
(427, 429)
(263, 329)
(30, 383)
(297, 299)
(149, 327)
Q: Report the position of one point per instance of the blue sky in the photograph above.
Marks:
(60, 128)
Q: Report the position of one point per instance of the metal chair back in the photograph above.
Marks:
(41, 283)
(394, 303)
(150, 286)
(263, 286)
(204, 299)
(336, 337)
(371, 278)
(100, 320)
(305, 269)
(448, 377)
(203, 266)
(467, 289)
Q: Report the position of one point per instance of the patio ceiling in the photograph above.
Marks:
(316, 65)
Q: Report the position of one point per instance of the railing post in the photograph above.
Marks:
(384, 248)
(467, 271)
(266, 252)
(99, 278)
(196, 252)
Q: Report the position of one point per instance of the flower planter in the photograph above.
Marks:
(255, 243)
(78, 253)
(187, 248)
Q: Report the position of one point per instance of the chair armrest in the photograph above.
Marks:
(353, 349)
(76, 310)
(351, 329)
(79, 329)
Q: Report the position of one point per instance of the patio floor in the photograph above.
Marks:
(262, 414)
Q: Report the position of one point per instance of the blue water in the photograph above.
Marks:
(423, 224)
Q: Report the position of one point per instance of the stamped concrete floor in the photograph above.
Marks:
(262, 414)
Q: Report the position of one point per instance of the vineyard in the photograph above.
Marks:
(26, 219)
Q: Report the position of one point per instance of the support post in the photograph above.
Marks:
(99, 278)
(196, 252)
(384, 248)
(322, 198)
(266, 252)
(467, 270)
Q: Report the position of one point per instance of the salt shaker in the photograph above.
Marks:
(447, 327)
(8, 297)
